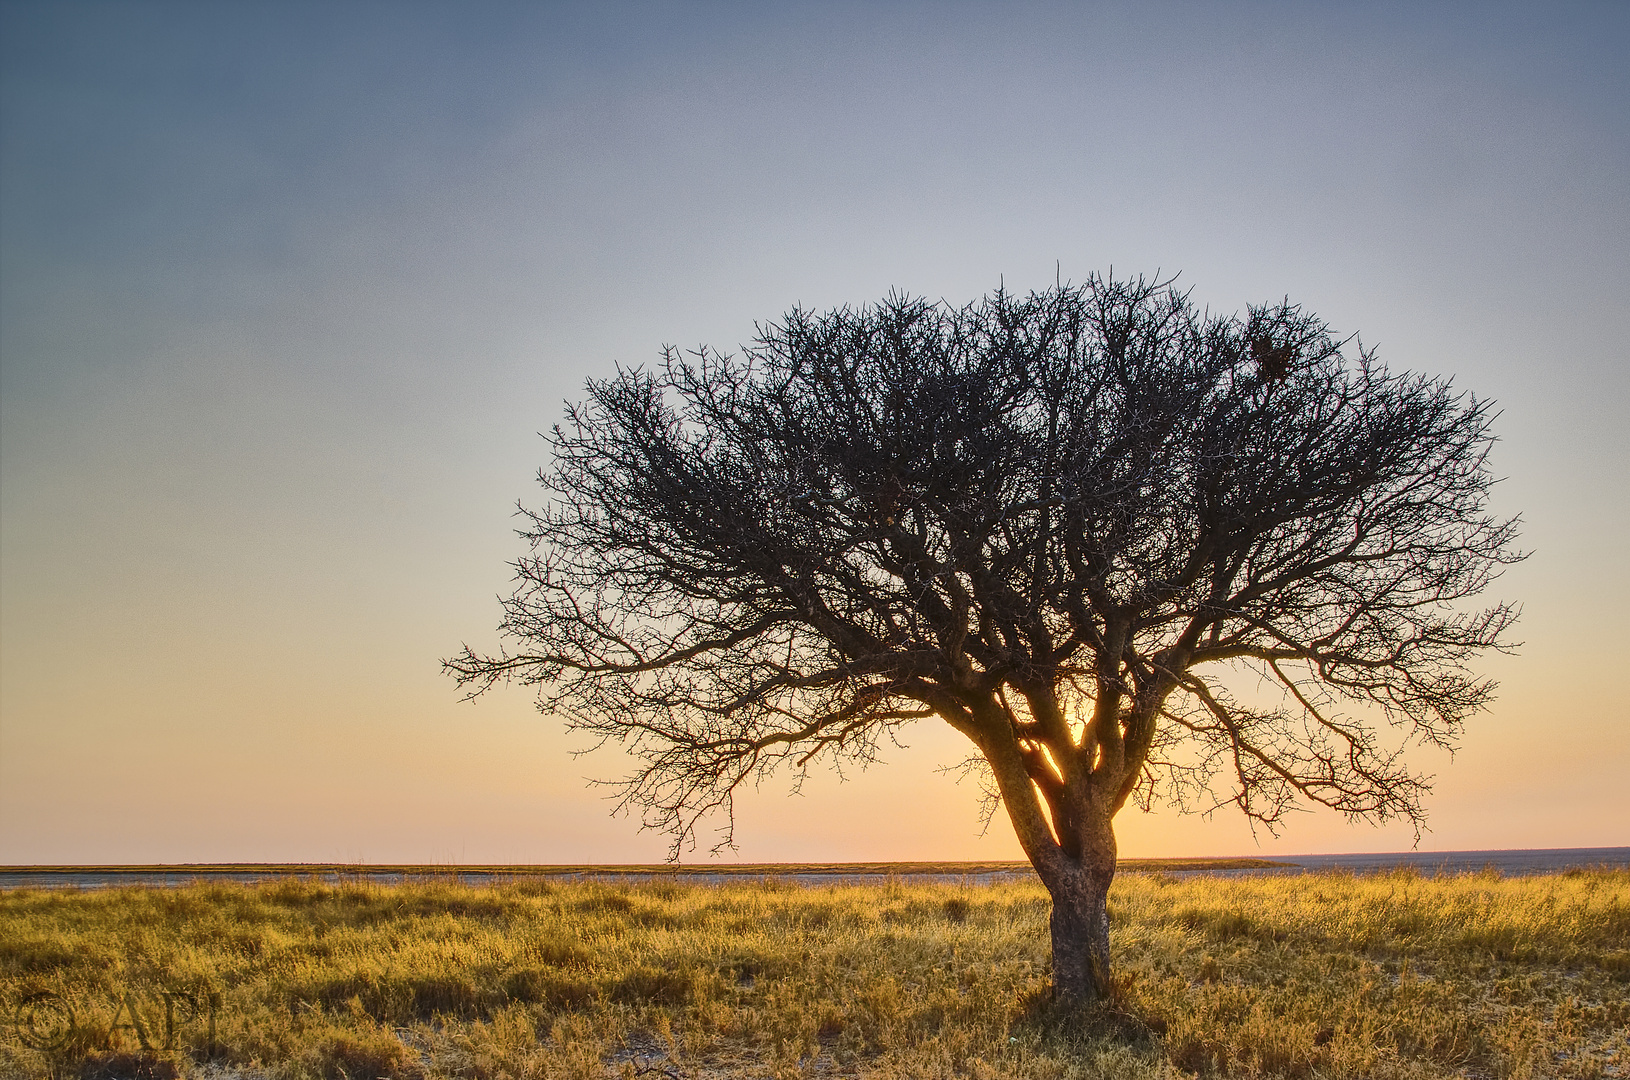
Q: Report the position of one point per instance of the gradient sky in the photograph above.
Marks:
(287, 292)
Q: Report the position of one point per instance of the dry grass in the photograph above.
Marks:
(1324, 975)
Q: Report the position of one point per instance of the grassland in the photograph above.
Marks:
(1322, 975)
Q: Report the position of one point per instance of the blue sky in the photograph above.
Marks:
(287, 291)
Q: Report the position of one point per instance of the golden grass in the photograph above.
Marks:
(1314, 976)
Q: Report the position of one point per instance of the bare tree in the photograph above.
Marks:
(1055, 522)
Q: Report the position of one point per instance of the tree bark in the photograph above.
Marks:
(1073, 854)
(1078, 883)
(1080, 931)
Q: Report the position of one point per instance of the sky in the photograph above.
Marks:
(287, 293)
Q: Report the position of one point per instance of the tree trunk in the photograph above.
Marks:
(1080, 931)
(1073, 852)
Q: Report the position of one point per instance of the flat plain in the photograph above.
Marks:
(1317, 975)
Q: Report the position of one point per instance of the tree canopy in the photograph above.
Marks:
(1063, 523)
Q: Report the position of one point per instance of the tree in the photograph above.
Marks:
(1061, 523)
